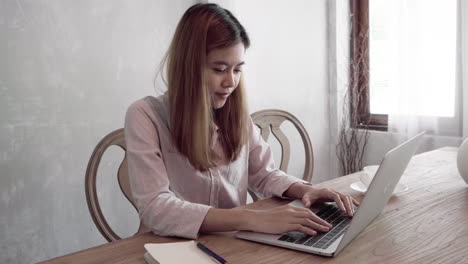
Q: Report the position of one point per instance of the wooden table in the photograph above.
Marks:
(427, 223)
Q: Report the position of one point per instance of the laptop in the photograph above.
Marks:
(345, 228)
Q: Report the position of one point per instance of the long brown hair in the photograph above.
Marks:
(204, 27)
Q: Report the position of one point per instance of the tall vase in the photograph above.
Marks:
(462, 160)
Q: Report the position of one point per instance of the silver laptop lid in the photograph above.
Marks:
(381, 188)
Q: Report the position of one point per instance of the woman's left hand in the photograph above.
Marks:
(344, 201)
(309, 195)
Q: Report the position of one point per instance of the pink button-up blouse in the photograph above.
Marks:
(172, 197)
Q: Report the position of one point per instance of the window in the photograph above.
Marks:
(403, 59)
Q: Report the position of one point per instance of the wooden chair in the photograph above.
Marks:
(265, 120)
(114, 138)
(272, 119)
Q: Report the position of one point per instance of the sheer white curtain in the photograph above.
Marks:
(417, 52)
(463, 70)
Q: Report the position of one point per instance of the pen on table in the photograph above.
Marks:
(210, 253)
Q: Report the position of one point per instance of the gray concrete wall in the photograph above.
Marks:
(68, 71)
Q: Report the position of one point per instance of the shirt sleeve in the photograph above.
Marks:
(263, 177)
(158, 207)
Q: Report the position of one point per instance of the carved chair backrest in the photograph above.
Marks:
(269, 121)
(115, 138)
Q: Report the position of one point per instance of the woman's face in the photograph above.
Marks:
(224, 69)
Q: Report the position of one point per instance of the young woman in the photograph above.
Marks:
(194, 151)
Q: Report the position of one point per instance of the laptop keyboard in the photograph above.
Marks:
(333, 215)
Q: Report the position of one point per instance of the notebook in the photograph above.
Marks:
(177, 252)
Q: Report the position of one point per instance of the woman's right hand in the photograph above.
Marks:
(284, 219)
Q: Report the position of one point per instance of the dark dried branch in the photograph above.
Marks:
(353, 141)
